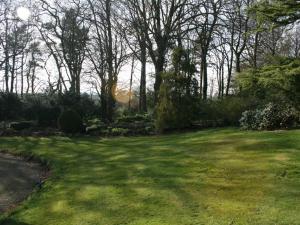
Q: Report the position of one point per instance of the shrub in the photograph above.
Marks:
(46, 109)
(249, 120)
(21, 125)
(92, 129)
(229, 110)
(178, 94)
(87, 107)
(166, 115)
(95, 127)
(119, 132)
(47, 116)
(178, 103)
(270, 117)
(150, 130)
(290, 117)
(10, 106)
(202, 124)
(274, 116)
(42, 108)
(136, 125)
(96, 123)
(32, 104)
(70, 122)
(83, 105)
(134, 118)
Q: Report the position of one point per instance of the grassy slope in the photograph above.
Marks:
(209, 177)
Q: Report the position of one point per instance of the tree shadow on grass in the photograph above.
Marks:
(157, 177)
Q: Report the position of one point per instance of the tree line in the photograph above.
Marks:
(88, 42)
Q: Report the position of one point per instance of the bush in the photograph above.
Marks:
(95, 123)
(119, 132)
(229, 110)
(70, 122)
(178, 94)
(272, 116)
(178, 103)
(139, 124)
(290, 117)
(92, 129)
(249, 120)
(135, 118)
(48, 116)
(83, 105)
(10, 106)
(166, 115)
(202, 124)
(42, 108)
(21, 125)
(95, 127)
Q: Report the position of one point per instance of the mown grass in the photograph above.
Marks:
(210, 177)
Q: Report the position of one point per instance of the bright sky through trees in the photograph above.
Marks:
(23, 13)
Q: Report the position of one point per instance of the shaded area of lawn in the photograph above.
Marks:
(208, 177)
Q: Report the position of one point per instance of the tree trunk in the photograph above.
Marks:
(222, 79)
(22, 74)
(103, 100)
(6, 72)
(143, 96)
(255, 49)
(73, 83)
(111, 95)
(238, 63)
(33, 80)
(159, 69)
(204, 75)
(28, 79)
(77, 86)
(12, 79)
(6, 53)
(130, 84)
(229, 67)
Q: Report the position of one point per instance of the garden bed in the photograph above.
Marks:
(19, 176)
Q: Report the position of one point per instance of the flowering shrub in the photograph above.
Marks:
(272, 116)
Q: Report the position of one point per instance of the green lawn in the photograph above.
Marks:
(225, 177)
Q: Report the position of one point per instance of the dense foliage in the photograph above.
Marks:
(280, 12)
(279, 80)
(212, 61)
(43, 109)
(70, 122)
(10, 106)
(227, 110)
(177, 106)
(270, 117)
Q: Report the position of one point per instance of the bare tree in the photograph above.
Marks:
(14, 39)
(107, 51)
(66, 36)
(161, 22)
(134, 34)
(206, 26)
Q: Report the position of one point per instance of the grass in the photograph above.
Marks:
(225, 177)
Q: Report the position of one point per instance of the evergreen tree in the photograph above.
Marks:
(279, 12)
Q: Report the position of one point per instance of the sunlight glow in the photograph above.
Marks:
(23, 13)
